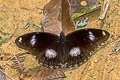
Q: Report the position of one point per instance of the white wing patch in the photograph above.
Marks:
(20, 39)
(50, 53)
(103, 32)
(33, 40)
(91, 36)
(74, 52)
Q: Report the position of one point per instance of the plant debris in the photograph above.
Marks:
(81, 23)
(18, 59)
(104, 9)
(17, 62)
(38, 26)
(53, 18)
(2, 75)
(27, 26)
(49, 74)
(79, 9)
(116, 48)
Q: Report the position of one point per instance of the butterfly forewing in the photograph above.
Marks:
(81, 43)
(36, 41)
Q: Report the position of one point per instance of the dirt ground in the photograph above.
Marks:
(15, 14)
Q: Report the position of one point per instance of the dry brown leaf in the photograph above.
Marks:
(49, 74)
(67, 22)
(52, 12)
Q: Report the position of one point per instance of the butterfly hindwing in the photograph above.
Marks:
(51, 56)
(81, 43)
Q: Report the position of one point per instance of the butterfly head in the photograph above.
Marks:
(62, 36)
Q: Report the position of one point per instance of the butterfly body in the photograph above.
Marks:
(62, 51)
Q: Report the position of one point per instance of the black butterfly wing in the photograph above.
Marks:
(37, 43)
(80, 44)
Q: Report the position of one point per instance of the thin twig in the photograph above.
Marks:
(6, 75)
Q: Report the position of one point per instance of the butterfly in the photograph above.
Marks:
(62, 51)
